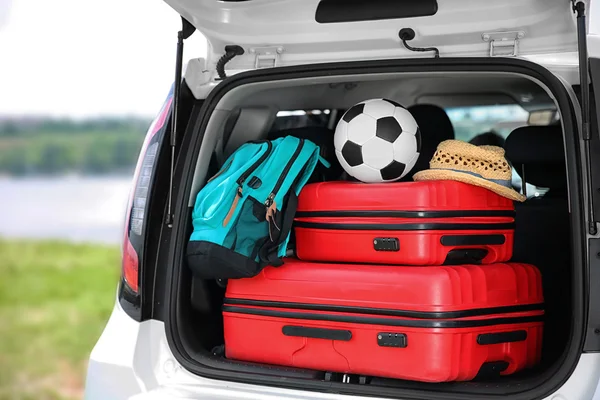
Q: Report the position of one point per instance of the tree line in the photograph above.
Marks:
(61, 146)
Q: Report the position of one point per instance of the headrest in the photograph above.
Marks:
(435, 127)
(536, 144)
(540, 150)
(490, 138)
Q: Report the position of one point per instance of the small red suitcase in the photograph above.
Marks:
(408, 223)
(444, 323)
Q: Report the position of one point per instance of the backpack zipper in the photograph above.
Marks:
(240, 181)
(270, 201)
(223, 170)
(271, 198)
(253, 167)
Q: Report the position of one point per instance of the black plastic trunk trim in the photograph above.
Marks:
(539, 386)
(406, 227)
(405, 214)
(477, 312)
(335, 11)
(411, 323)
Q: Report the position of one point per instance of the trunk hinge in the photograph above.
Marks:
(266, 57)
(579, 9)
(503, 44)
(186, 31)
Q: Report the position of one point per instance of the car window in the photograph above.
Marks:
(290, 119)
(491, 125)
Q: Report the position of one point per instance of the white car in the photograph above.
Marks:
(283, 64)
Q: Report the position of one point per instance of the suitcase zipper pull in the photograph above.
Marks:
(236, 200)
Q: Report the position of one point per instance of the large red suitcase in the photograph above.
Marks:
(434, 324)
(408, 223)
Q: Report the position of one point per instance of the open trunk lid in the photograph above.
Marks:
(291, 32)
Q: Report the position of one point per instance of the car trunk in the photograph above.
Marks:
(194, 321)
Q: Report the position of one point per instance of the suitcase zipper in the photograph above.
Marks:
(270, 204)
(240, 181)
(387, 312)
(405, 214)
(370, 320)
(434, 226)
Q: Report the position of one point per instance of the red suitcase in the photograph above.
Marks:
(409, 223)
(444, 323)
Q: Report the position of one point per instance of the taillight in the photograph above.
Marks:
(130, 265)
(138, 199)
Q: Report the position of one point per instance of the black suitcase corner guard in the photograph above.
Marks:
(465, 256)
(492, 369)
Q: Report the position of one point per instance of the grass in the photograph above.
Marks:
(55, 299)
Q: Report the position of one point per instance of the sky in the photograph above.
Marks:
(84, 58)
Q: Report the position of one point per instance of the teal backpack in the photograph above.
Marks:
(243, 216)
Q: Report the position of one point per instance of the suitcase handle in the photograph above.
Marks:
(317, 333)
(472, 240)
(501, 337)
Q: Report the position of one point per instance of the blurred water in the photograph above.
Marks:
(82, 209)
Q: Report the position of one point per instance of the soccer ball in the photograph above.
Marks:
(377, 140)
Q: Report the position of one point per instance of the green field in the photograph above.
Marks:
(55, 299)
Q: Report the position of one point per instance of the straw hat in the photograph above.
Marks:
(483, 166)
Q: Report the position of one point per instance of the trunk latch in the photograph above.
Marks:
(346, 378)
(266, 57)
(503, 44)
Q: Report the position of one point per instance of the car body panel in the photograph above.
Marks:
(133, 361)
(459, 28)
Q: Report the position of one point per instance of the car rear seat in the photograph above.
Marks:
(542, 235)
(435, 127)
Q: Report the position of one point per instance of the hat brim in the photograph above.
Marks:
(440, 175)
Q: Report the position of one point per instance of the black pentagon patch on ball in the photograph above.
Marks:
(418, 138)
(394, 103)
(388, 129)
(352, 153)
(353, 112)
(394, 170)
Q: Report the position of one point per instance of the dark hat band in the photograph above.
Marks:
(507, 183)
